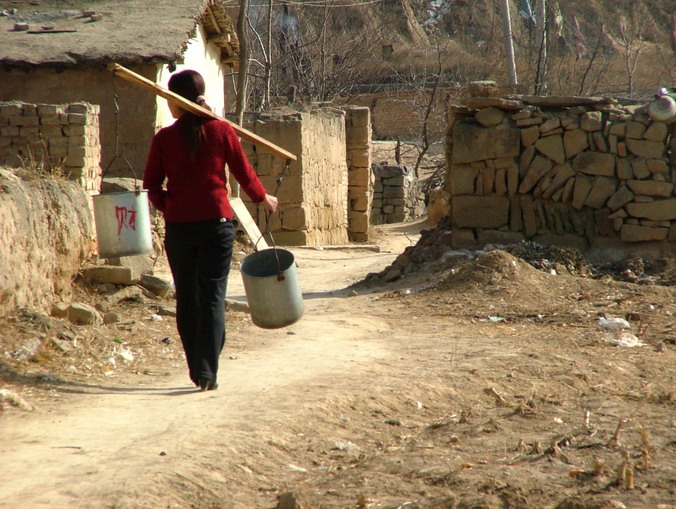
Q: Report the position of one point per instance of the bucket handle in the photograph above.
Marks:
(280, 273)
(137, 187)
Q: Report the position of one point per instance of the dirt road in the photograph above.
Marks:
(371, 400)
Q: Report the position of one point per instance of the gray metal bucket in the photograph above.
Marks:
(122, 224)
(271, 287)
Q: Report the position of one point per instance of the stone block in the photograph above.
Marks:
(657, 166)
(291, 238)
(526, 159)
(488, 175)
(24, 121)
(462, 179)
(484, 88)
(501, 181)
(111, 274)
(357, 222)
(538, 168)
(463, 239)
(294, 218)
(637, 233)
(360, 204)
(83, 314)
(574, 142)
(635, 130)
(360, 117)
(645, 148)
(360, 158)
(512, 180)
(552, 147)
(550, 124)
(480, 211)
(656, 211)
(651, 188)
(515, 215)
(474, 143)
(581, 190)
(567, 190)
(656, 132)
(620, 198)
(394, 192)
(602, 189)
(640, 169)
(617, 129)
(603, 223)
(489, 117)
(529, 135)
(595, 163)
(529, 122)
(591, 121)
(600, 141)
(562, 173)
(399, 181)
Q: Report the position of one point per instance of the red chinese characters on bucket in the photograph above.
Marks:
(126, 218)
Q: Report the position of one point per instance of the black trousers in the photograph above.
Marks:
(199, 255)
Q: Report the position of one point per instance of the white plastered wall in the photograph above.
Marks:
(204, 58)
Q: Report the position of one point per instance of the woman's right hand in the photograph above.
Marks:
(270, 203)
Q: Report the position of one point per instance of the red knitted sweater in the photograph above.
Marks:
(196, 187)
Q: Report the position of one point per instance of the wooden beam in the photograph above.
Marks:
(192, 107)
(247, 222)
(213, 20)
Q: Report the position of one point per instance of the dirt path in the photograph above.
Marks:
(495, 390)
(105, 444)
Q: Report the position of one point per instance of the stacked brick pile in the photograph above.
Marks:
(54, 138)
(396, 195)
(359, 178)
(582, 171)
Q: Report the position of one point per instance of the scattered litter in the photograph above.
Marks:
(613, 323)
(14, 399)
(166, 340)
(624, 339)
(163, 453)
(126, 354)
(393, 422)
(420, 405)
(344, 446)
(156, 318)
(343, 418)
(495, 319)
(112, 361)
(293, 468)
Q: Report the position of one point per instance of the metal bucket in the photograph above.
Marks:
(271, 287)
(122, 224)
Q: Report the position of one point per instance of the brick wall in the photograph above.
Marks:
(52, 138)
(587, 172)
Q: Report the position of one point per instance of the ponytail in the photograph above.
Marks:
(190, 85)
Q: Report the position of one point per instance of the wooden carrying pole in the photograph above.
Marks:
(190, 106)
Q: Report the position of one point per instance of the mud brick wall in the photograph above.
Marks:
(396, 195)
(313, 204)
(359, 176)
(573, 171)
(52, 138)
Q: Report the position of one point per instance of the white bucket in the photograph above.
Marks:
(123, 224)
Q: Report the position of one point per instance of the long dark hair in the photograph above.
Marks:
(190, 84)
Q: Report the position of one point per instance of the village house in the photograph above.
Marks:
(56, 52)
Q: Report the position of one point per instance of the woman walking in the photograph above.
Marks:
(189, 159)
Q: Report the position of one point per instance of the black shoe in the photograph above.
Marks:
(207, 384)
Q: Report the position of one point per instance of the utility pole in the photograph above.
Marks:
(509, 46)
(541, 76)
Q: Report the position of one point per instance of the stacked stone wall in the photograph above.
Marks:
(586, 172)
(313, 193)
(360, 178)
(396, 195)
(53, 139)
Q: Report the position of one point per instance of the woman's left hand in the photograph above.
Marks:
(270, 203)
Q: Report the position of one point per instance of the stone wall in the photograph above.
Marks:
(96, 85)
(360, 178)
(57, 139)
(313, 194)
(586, 172)
(396, 195)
